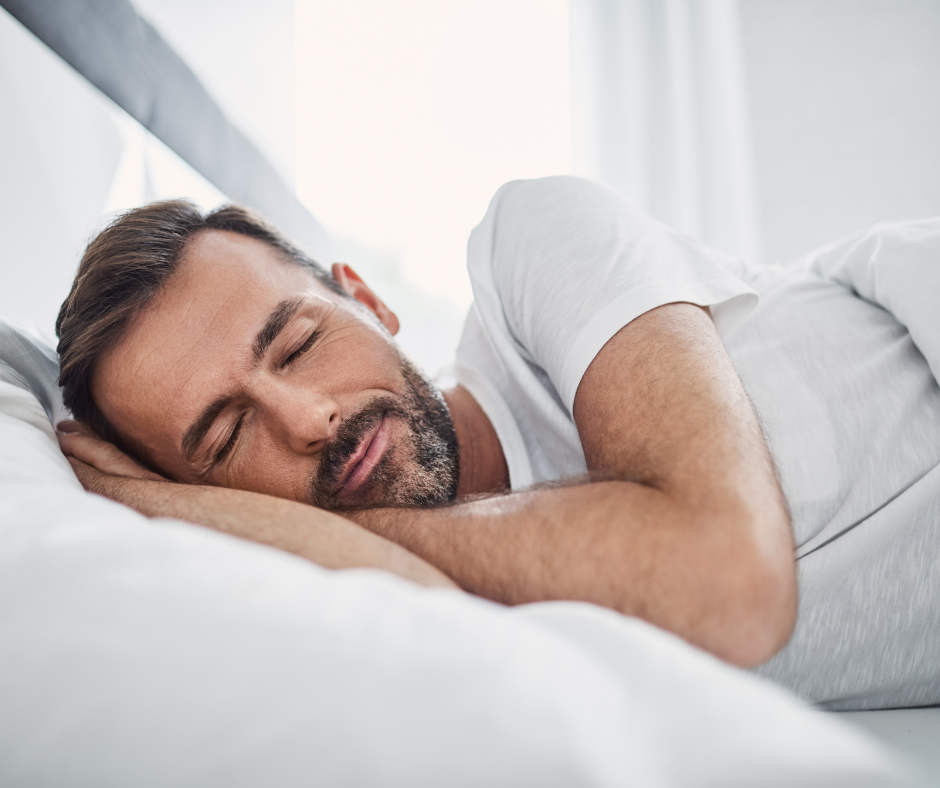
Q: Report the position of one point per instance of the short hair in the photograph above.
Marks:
(123, 268)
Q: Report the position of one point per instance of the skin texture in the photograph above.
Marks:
(688, 528)
(324, 538)
(329, 374)
(689, 531)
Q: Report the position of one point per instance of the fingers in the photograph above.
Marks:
(70, 426)
(87, 475)
(94, 481)
(105, 457)
(89, 450)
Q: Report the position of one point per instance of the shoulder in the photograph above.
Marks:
(537, 224)
(526, 202)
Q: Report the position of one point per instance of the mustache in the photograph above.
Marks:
(347, 440)
(420, 468)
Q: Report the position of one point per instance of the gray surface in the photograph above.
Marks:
(29, 364)
(120, 53)
(913, 732)
(845, 115)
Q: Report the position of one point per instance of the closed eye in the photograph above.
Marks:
(222, 453)
(308, 343)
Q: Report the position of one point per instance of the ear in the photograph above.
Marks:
(350, 282)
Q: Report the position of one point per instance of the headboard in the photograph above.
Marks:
(109, 130)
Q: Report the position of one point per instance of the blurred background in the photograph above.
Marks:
(395, 122)
(762, 127)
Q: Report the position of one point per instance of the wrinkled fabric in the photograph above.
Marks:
(838, 352)
(28, 363)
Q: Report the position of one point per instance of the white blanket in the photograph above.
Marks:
(150, 652)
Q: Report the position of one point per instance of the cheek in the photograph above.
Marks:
(265, 467)
(357, 358)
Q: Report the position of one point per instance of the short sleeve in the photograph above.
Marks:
(559, 265)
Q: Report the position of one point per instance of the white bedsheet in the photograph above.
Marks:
(150, 652)
(914, 732)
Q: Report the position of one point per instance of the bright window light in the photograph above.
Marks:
(410, 115)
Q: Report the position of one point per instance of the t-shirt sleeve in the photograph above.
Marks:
(559, 265)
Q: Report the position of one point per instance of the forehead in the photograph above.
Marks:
(189, 338)
(219, 259)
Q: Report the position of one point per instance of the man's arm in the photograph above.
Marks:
(324, 538)
(689, 532)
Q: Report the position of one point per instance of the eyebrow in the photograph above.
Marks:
(280, 316)
(198, 429)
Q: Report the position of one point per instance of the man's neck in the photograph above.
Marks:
(483, 466)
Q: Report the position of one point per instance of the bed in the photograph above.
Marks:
(152, 652)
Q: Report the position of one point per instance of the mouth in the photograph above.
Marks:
(363, 462)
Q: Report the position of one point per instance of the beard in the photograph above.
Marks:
(422, 470)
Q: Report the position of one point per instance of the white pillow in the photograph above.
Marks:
(150, 652)
(31, 365)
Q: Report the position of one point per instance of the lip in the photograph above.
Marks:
(367, 456)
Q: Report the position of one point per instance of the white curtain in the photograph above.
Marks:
(659, 113)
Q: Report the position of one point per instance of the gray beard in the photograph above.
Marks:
(428, 472)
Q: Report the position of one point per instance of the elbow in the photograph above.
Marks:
(764, 617)
(750, 589)
(762, 630)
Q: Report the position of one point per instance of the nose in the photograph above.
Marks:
(305, 420)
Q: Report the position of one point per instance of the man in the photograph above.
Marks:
(220, 357)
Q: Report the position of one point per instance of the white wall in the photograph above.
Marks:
(845, 104)
(412, 113)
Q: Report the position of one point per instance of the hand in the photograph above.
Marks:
(94, 481)
(87, 454)
(319, 536)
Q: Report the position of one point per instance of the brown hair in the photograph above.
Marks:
(121, 271)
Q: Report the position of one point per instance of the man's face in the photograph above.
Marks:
(246, 372)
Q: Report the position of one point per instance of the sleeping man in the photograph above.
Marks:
(617, 387)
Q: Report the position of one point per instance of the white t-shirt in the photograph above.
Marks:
(849, 405)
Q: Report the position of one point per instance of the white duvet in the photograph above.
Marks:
(139, 652)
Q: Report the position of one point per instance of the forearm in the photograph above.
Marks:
(622, 545)
(319, 536)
